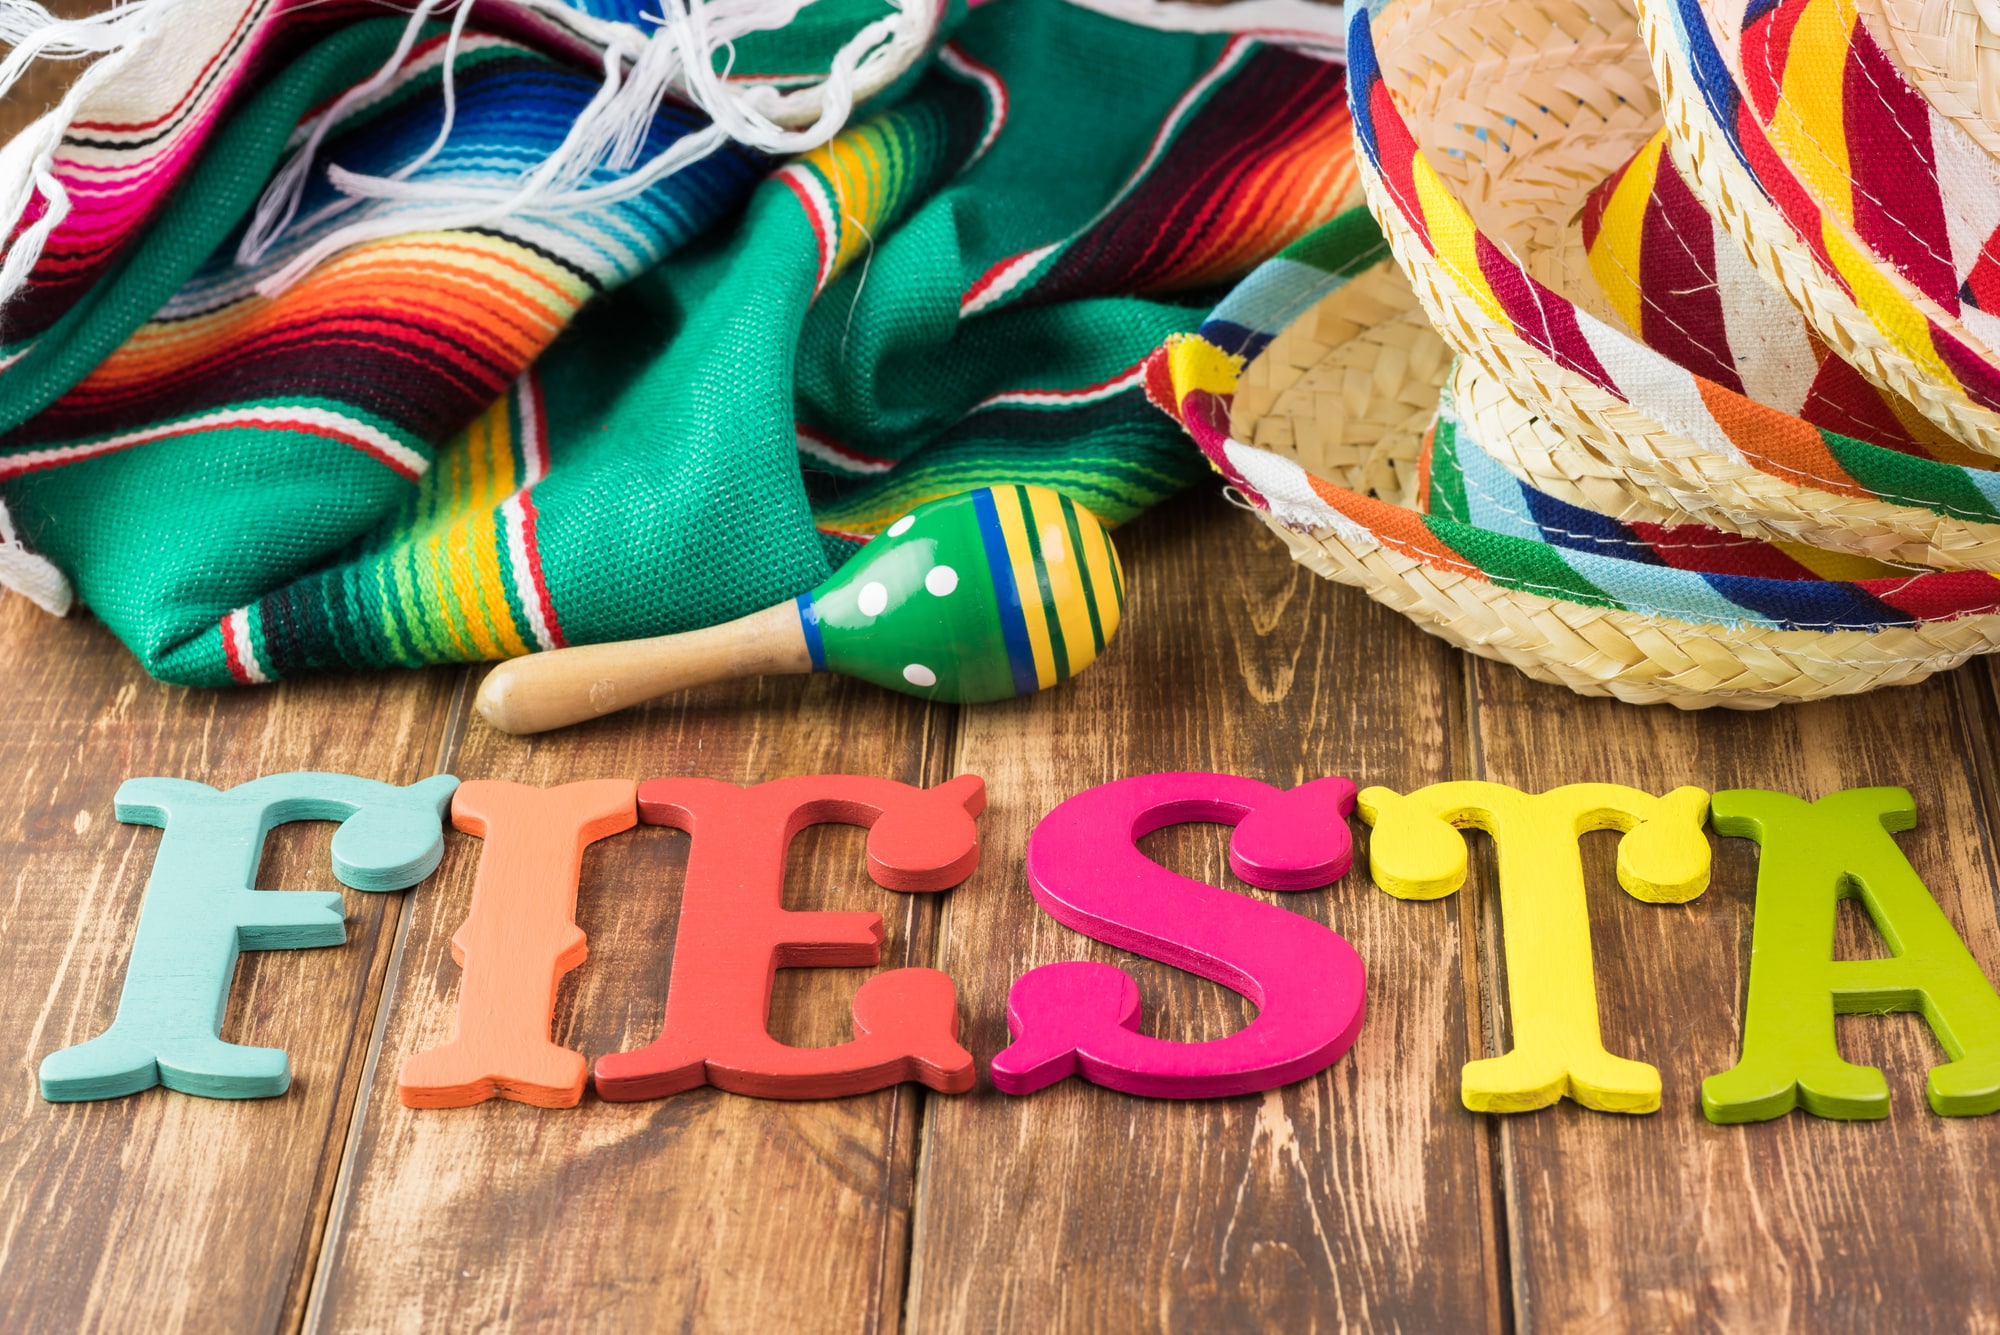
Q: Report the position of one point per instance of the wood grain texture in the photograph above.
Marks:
(160, 1211)
(704, 1210)
(1358, 1199)
(1668, 1222)
(45, 81)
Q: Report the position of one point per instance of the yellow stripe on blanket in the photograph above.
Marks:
(1808, 127)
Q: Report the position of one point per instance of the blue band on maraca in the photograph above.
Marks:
(1013, 620)
(809, 622)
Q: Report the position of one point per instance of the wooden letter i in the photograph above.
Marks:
(517, 942)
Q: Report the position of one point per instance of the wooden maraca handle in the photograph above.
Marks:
(564, 686)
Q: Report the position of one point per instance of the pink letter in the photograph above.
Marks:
(1088, 873)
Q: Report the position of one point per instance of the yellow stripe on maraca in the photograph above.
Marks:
(1021, 559)
(1082, 524)
(1066, 576)
(1107, 577)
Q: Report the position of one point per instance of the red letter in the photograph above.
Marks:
(735, 934)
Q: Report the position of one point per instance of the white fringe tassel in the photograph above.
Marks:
(33, 577)
(27, 161)
(639, 71)
(677, 58)
(279, 203)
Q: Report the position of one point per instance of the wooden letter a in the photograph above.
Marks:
(1551, 988)
(1814, 853)
(517, 942)
(735, 934)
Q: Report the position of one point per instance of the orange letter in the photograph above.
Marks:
(517, 942)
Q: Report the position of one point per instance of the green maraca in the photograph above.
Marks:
(980, 596)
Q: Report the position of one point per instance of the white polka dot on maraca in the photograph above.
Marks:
(941, 580)
(874, 596)
(918, 675)
(901, 526)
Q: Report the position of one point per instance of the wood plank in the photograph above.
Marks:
(44, 82)
(702, 1209)
(1667, 1222)
(1359, 1199)
(161, 1211)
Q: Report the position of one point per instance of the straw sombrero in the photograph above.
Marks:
(1951, 54)
(1511, 151)
(1874, 207)
(1649, 476)
(1346, 378)
(1644, 611)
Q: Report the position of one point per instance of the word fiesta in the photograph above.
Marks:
(1085, 869)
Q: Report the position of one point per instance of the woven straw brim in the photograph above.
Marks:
(1949, 55)
(1761, 232)
(1523, 440)
(1527, 444)
(1617, 459)
(1349, 388)
(1601, 651)
(1592, 650)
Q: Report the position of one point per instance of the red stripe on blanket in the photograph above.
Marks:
(1940, 596)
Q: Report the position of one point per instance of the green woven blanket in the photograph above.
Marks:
(453, 443)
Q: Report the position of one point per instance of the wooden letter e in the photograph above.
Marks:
(735, 934)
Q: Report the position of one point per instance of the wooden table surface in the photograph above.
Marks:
(1364, 1199)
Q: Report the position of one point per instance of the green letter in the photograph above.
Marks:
(1814, 854)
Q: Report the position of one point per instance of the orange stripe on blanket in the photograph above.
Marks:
(468, 303)
(1766, 436)
(489, 329)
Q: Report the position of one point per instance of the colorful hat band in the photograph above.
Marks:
(1645, 233)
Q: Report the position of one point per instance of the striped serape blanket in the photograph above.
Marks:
(350, 339)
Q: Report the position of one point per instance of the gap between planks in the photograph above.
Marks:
(1976, 699)
(1485, 1022)
(320, 1250)
(942, 739)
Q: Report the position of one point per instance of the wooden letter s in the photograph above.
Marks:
(1087, 873)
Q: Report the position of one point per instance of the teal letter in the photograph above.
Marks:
(1815, 854)
(201, 909)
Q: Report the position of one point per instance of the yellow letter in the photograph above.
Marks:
(1418, 853)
